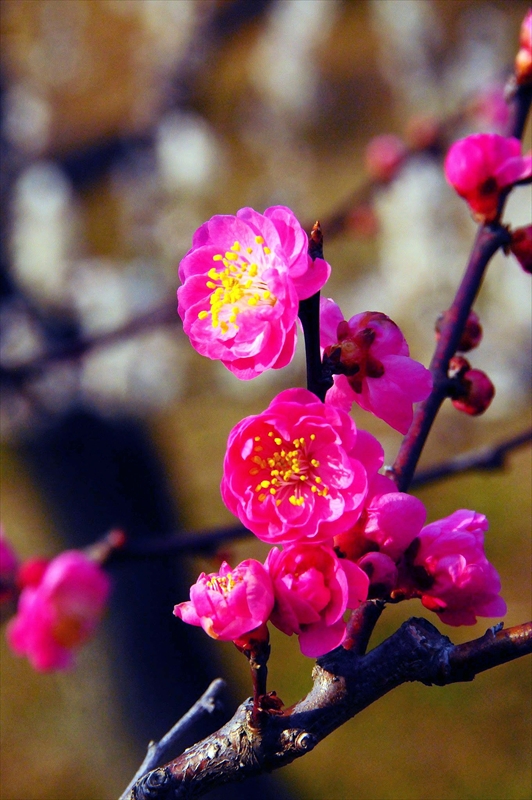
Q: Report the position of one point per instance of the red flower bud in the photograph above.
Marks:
(471, 335)
(521, 247)
(458, 366)
(479, 392)
(523, 60)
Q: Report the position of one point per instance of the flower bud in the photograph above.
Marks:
(478, 392)
(521, 247)
(471, 335)
(384, 156)
(458, 366)
(523, 60)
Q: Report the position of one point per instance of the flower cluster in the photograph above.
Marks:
(299, 475)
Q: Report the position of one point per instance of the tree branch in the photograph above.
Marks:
(344, 684)
(487, 458)
(488, 240)
(158, 752)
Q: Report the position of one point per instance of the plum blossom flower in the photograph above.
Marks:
(229, 603)
(479, 167)
(242, 281)
(377, 371)
(313, 588)
(58, 610)
(447, 568)
(294, 473)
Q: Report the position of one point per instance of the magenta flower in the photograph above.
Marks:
(448, 569)
(313, 588)
(242, 281)
(479, 167)
(229, 603)
(293, 473)
(377, 372)
(60, 612)
(381, 571)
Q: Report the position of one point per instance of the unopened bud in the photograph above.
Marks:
(521, 247)
(523, 60)
(471, 335)
(458, 366)
(478, 392)
(384, 156)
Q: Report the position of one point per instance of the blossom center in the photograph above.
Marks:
(288, 469)
(237, 284)
(224, 583)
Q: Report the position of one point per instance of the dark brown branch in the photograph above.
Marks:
(344, 684)
(158, 752)
(488, 458)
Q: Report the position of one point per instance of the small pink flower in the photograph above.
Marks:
(60, 612)
(242, 281)
(229, 603)
(294, 473)
(448, 569)
(479, 167)
(373, 356)
(8, 569)
(313, 588)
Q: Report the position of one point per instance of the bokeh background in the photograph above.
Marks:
(126, 124)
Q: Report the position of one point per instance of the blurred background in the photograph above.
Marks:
(125, 124)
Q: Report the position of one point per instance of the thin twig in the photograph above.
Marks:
(487, 458)
(159, 752)
(489, 239)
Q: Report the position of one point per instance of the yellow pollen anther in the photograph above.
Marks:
(267, 250)
(265, 484)
(203, 314)
(217, 257)
(312, 436)
(314, 462)
(259, 239)
(236, 246)
(249, 249)
(278, 441)
(231, 256)
(257, 438)
(317, 479)
(262, 497)
(252, 301)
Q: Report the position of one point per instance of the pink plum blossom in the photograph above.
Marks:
(377, 371)
(229, 603)
(448, 569)
(313, 588)
(242, 281)
(294, 473)
(59, 612)
(479, 167)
